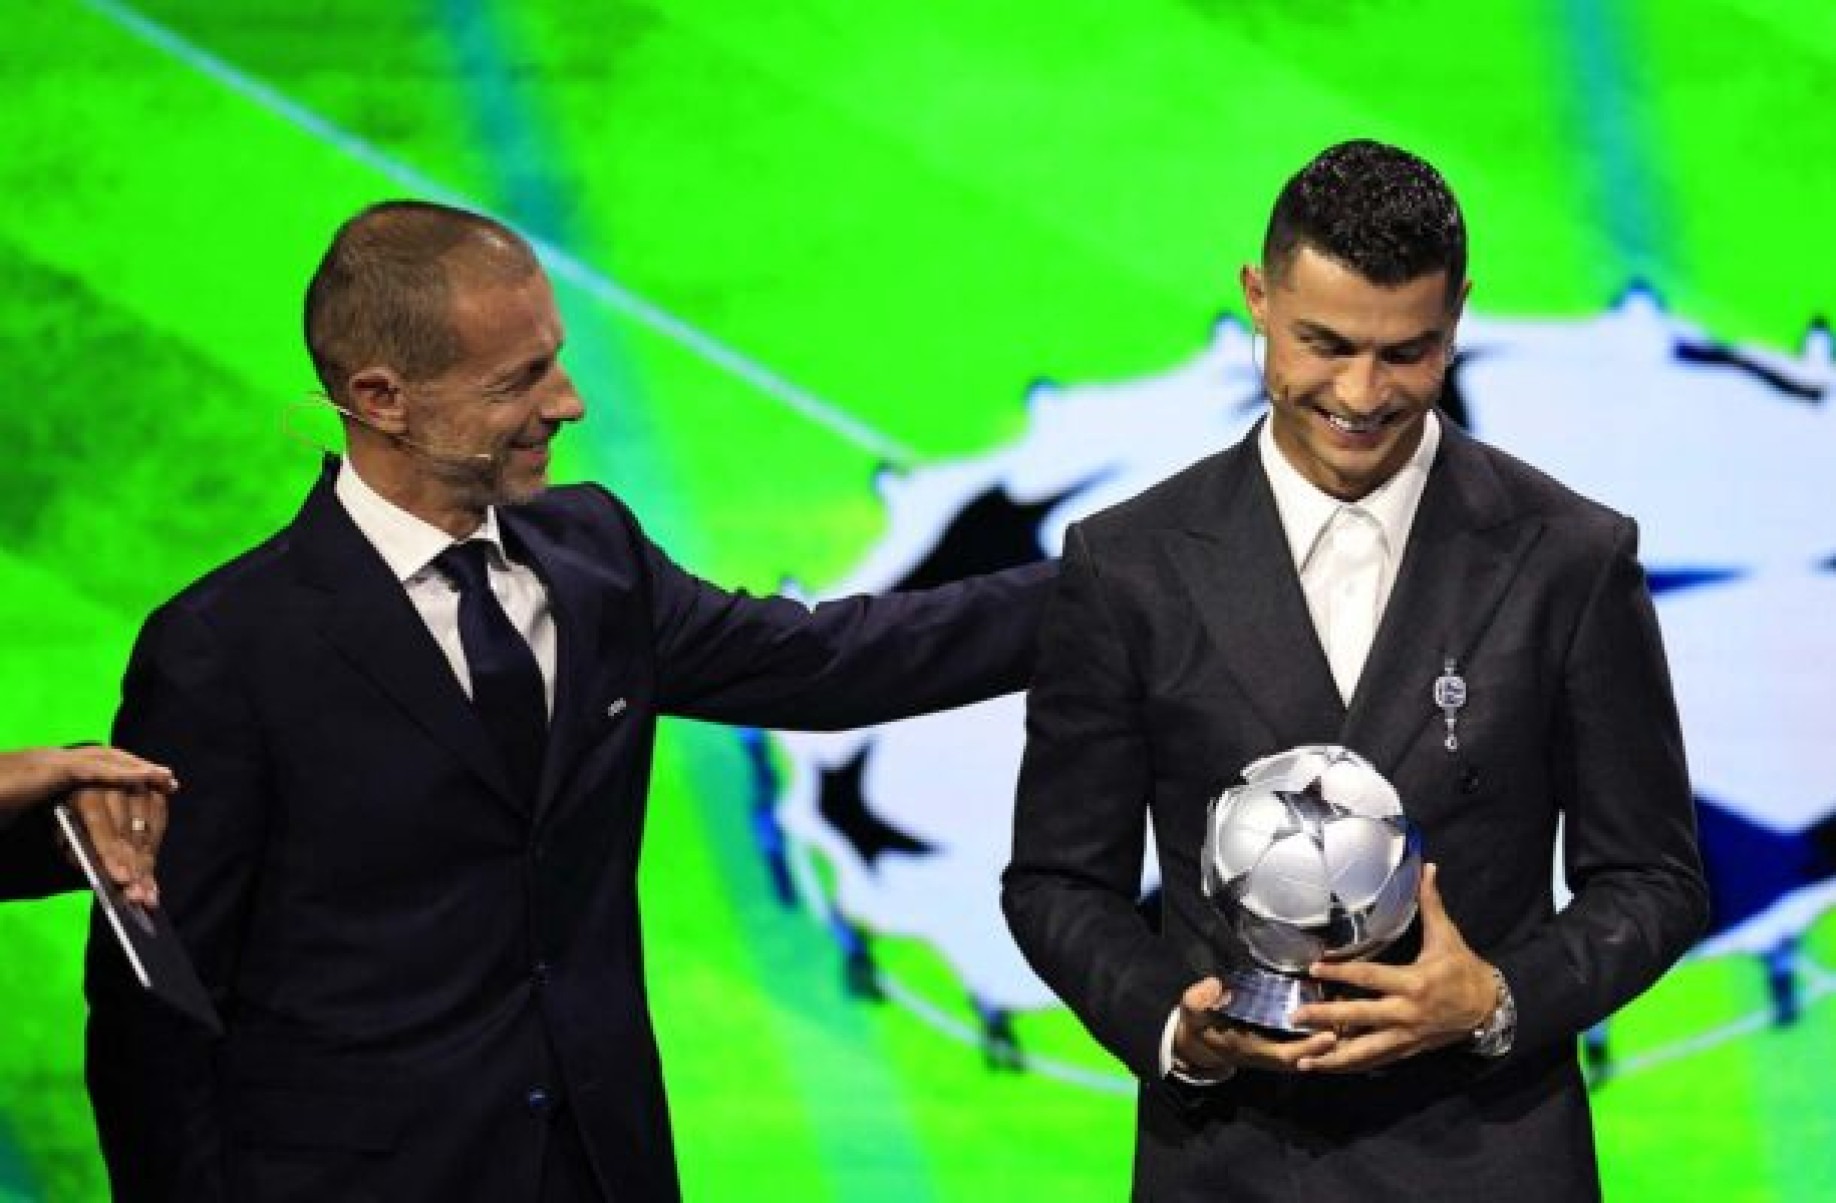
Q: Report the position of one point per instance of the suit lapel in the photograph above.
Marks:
(1464, 551)
(1237, 564)
(372, 624)
(585, 663)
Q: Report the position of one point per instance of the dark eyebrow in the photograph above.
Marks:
(1315, 332)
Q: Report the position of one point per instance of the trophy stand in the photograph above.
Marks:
(1263, 999)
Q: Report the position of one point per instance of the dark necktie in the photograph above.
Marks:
(507, 688)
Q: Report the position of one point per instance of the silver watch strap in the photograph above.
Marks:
(1494, 1037)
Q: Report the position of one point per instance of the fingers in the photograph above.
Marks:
(1198, 1016)
(1436, 926)
(1370, 1033)
(104, 815)
(125, 826)
(39, 775)
(1208, 1041)
(122, 802)
(112, 766)
(1252, 1050)
(1358, 1054)
(156, 812)
(1203, 997)
(146, 827)
(1408, 1009)
(1347, 1015)
(147, 816)
(1370, 976)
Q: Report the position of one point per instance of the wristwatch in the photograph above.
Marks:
(1493, 1038)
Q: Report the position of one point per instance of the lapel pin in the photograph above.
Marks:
(616, 708)
(1450, 696)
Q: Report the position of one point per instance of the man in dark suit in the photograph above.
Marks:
(120, 800)
(415, 728)
(1308, 586)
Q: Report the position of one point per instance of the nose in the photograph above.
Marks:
(561, 402)
(1362, 386)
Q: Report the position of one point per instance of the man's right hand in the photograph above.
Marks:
(1210, 1044)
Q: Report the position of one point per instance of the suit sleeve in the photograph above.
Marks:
(30, 864)
(1630, 850)
(773, 662)
(1080, 827)
(150, 1071)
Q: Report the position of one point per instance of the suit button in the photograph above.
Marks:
(538, 1101)
(538, 973)
(1469, 781)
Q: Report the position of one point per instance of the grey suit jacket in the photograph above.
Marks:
(1179, 648)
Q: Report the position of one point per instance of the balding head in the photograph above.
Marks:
(382, 295)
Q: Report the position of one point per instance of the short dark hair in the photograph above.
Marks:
(383, 291)
(1377, 209)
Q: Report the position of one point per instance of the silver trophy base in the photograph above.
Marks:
(1266, 1000)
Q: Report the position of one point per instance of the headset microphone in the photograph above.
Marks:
(469, 461)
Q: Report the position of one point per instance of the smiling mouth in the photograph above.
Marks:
(1357, 426)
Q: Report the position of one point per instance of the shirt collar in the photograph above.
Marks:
(1305, 509)
(406, 543)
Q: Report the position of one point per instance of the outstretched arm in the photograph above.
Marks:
(732, 657)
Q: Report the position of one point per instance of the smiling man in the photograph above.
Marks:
(415, 729)
(1357, 364)
(1309, 585)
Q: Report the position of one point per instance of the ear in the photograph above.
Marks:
(1457, 305)
(1255, 296)
(378, 399)
(1454, 314)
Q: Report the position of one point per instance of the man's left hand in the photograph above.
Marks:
(120, 799)
(1437, 1000)
(126, 826)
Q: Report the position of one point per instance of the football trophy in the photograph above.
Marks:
(1310, 859)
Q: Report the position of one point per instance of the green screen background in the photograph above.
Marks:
(794, 243)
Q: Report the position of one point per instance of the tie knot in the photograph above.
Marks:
(466, 565)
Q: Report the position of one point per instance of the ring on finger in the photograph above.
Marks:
(139, 825)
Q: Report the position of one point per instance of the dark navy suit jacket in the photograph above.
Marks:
(30, 864)
(414, 963)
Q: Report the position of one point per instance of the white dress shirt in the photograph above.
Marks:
(1325, 537)
(408, 546)
(1346, 554)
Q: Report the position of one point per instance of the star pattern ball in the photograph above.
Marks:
(1312, 858)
